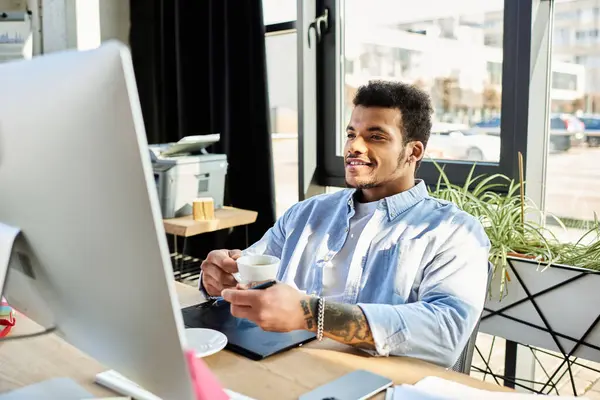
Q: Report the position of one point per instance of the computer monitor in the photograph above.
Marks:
(76, 179)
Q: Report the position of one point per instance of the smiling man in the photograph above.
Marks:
(381, 265)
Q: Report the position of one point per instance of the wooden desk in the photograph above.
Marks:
(283, 376)
(226, 217)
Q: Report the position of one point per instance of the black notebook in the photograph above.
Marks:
(243, 336)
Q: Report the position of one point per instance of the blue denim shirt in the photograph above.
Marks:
(419, 270)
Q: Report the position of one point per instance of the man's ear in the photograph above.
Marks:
(417, 152)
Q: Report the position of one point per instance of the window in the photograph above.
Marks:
(492, 24)
(591, 61)
(564, 81)
(279, 11)
(562, 37)
(572, 169)
(452, 50)
(494, 70)
(586, 15)
(588, 36)
(565, 15)
(281, 44)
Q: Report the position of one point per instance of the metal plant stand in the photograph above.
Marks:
(536, 305)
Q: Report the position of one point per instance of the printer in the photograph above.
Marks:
(184, 171)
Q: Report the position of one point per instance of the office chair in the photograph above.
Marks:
(463, 364)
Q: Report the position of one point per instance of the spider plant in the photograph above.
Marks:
(584, 253)
(500, 205)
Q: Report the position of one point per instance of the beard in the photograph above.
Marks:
(375, 181)
(365, 185)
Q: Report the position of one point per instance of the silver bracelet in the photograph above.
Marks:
(320, 319)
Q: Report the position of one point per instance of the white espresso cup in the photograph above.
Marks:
(256, 268)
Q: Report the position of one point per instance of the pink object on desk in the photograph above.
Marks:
(7, 318)
(206, 386)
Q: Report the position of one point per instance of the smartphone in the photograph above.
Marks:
(357, 385)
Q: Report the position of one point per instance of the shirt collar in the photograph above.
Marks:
(398, 203)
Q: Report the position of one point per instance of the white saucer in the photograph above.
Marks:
(205, 342)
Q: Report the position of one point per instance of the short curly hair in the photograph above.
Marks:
(413, 103)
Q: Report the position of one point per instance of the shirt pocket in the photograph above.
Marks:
(409, 262)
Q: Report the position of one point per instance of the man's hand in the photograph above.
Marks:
(217, 270)
(280, 308)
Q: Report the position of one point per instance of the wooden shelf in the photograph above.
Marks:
(226, 217)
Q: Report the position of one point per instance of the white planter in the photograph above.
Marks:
(571, 311)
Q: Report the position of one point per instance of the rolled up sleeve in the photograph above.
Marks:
(451, 295)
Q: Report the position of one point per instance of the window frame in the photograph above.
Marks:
(514, 109)
(280, 28)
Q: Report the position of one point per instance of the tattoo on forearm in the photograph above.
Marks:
(344, 323)
(308, 317)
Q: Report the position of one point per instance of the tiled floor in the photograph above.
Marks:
(587, 382)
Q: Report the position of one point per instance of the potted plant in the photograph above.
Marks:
(544, 292)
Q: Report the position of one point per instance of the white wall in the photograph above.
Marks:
(283, 70)
(83, 24)
(114, 20)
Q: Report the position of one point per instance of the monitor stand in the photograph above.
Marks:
(62, 388)
(8, 236)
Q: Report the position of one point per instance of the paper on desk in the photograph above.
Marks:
(450, 390)
(407, 392)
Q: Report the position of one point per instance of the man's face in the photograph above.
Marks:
(375, 154)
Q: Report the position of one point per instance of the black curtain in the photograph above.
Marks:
(201, 68)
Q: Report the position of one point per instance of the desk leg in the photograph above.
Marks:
(183, 253)
(176, 254)
(179, 263)
(519, 368)
(510, 364)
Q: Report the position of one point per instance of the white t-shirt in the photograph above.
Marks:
(335, 272)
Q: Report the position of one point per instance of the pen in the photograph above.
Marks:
(264, 285)
(219, 300)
